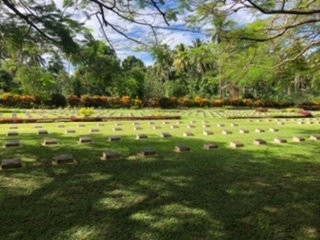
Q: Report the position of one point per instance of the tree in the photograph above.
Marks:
(97, 67)
(6, 82)
(300, 18)
(36, 82)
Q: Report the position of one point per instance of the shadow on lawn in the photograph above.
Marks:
(221, 194)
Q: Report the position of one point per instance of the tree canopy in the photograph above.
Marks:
(46, 49)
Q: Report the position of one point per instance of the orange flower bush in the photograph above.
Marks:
(125, 101)
(25, 101)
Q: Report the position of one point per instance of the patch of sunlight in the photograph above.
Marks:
(22, 185)
(175, 217)
(271, 209)
(167, 223)
(94, 176)
(82, 233)
(234, 191)
(143, 216)
(155, 185)
(146, 234)
(180, 181)
(118, 199)
(308, 233)
(179, 209)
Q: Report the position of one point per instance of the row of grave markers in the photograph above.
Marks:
(185, 134)
(142, 113)
(68, 158)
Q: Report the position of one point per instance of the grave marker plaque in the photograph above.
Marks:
(11, 163)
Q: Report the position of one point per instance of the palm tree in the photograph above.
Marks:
(181, 59)
(163, 62)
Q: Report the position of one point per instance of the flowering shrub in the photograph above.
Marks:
(57, 100)
(12, 100)
(125, 101)
(73, 101)
(138, 103)
(305, 113)
(86, 112)
(184, 102)
(201, 102)
(217, 103)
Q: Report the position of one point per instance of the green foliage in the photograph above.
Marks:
(86, 112)
(35, 81)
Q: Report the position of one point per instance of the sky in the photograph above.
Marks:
(125, 47)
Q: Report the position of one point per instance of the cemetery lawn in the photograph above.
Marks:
(255, 192)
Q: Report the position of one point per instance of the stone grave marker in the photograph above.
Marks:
(280, 140)
(243, 131)
(182, 148)
(42, 132)
(141, 136)
(12, 134)
(210, 146)
(114, 138)
(83, 140)
(188, 134)
(110, 156)
(11, 163)
(50, 142)
(94, 130)
(259, 142)
(117, 129)
(236, 144)
(315, 137)
(226, 132)
(298, 139)
(259, 130)
(207, 133)
(274, 130)
(147, 152)
(11, 144)
(70, 131)
(165, 135)
(63, 159)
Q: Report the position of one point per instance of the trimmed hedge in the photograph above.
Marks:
(11, 100)
(85, 119)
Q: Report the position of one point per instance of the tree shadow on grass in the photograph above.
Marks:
(219, 194)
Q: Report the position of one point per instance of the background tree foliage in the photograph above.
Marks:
(44, 51)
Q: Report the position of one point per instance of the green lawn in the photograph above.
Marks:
(257, 192)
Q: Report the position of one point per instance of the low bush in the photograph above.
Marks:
(86, 112)
(58, 100)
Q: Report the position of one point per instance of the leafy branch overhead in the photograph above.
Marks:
(219, 49)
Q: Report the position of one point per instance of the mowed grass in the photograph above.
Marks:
(256, 192)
